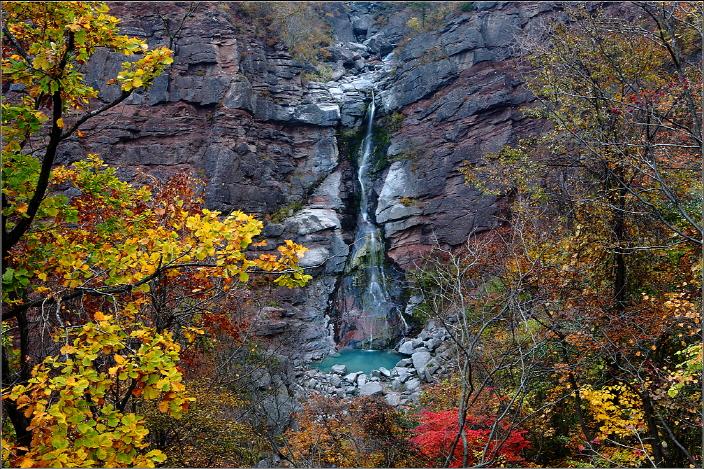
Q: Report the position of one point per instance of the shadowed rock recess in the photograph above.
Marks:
(238, 111)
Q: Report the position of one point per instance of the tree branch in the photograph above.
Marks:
(20, 50)
(124, 95)
(24, 224)
(81, 291)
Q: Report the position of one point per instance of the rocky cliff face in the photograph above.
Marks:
(460, 94)
(236, 110)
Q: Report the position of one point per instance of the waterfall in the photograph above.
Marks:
(371, 314)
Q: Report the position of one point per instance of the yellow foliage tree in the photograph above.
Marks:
(74, 376)
(76, 401)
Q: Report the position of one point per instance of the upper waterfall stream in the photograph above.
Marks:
(370, 318)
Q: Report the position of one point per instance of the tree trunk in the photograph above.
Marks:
(19, 421)
(653, 433)
(619, 256)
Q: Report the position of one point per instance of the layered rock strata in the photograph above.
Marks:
(237, 110)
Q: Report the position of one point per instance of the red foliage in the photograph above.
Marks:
(217, 322)
(438, 430)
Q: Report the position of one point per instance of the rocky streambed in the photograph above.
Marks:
(428, 360)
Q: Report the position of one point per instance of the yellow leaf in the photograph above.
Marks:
(60, 122)
(100, 316)
(27, 462)
(163, 406)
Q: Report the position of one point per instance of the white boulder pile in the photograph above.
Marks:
(430, 352)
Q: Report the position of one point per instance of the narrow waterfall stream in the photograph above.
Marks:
(375, 299)
(369, 317)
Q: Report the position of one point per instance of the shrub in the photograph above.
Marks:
(286, 211)
(323, 73)
(298, 25)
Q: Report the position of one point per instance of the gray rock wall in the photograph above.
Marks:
(236, 111)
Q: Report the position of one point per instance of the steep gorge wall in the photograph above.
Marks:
(460, 93)
(235, 110)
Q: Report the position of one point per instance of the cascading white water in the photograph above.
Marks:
(367, 315)
(375, 298)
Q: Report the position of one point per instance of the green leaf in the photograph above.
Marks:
(156, 455)
(8, 276)
(59, 441)
(124, 458)
(84, 427)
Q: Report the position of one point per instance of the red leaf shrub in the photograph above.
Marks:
(438, 430)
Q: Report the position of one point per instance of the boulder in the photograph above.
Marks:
(314, 257)
(352, 377)
(432, 343)
(342, 54)
(430, 370)
(378, 44)
(358, 48)
(393, 399)
(404, 363)
(339, 369)
(322, 114)
(370, 389)
(420, 361)
(396, 384)
(384, 372)
(412, 384)
(406, 348)
(309, 221)
(273, 230)
(402, 373)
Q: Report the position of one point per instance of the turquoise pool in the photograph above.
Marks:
(360, 360)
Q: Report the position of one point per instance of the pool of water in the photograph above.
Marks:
(360, 360)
